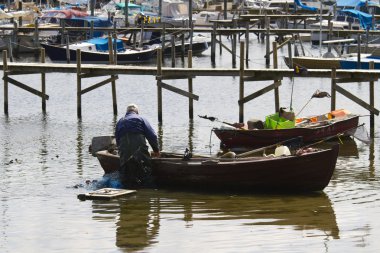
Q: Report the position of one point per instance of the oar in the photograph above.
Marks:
(216, 119)
(246, 154)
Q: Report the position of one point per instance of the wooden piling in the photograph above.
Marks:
(275, 66)
(190, 83)
(267, 56)
(141, 35)
(36, 37)
(110, 50)
(247, 43)
(241, 83)
(92, 29)
(290, 55)
(79, 84)
(15, 44)
(173, 50)
(43, 82)
(213, 42)
(359, 51)
(183, 46)
(163, 39)
(234, 44)
(114, 77)
(333, 89)
(5, 71)
(67, 48)
(159, 87)
(372, 102)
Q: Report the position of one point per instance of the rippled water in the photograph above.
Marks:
(45, 163)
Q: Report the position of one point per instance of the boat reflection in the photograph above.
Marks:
(138, 218)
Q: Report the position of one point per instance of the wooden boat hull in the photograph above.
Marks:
(307, 172)
(58, 53)
(313, 62)
(236, 138)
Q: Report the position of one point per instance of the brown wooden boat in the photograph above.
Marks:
(310, 132)
(310, 62)
(309, 171)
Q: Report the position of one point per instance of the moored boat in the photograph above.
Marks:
(311, 129)
(304, 171)
(96, 51)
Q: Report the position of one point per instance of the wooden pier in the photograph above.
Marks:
(274, 76)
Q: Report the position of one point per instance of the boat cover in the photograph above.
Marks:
(102, 44)
(364, 18)
(304, 6)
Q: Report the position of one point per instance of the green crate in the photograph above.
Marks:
(274, 121)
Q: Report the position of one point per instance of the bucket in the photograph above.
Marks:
(282, 151)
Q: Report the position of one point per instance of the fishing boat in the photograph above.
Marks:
(308, 170)
(96, 51)
(312, 129)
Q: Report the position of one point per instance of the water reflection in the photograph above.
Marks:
(143, 215)
(80, 147)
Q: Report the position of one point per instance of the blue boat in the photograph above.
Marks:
(352, 62)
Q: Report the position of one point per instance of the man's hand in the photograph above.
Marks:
(156, 154)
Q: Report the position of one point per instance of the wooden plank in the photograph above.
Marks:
(93, 87)
(337, 41)
(174, 77)
(224, 46)
(105, 194)
(25, 87)
(178, 91)
(90, 75)
(355, 80)
(254, 78)
(259, 93)
(356, 100)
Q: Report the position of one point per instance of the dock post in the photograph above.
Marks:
(79, 84)
(241, 83)
(173, 50)
(15, 43)
(213, 43)
(267, 55)
(62, 29)
(141, 42)
(220, 44)
(183, 46)
(275, 66)
(359, 65)
(333, 90)
(5, 71)
(159, 88)
(36, 36)
(67, 48)
(247, 43)
(113, 60)
(110, 50)
(234, 44)
(163, 40)
(190, 83)
(43, 82)
(372, 102)
(92, 29)
(290, 53)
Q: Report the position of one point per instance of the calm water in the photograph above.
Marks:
(43, 158)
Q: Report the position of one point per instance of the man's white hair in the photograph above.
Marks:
(133, 108)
